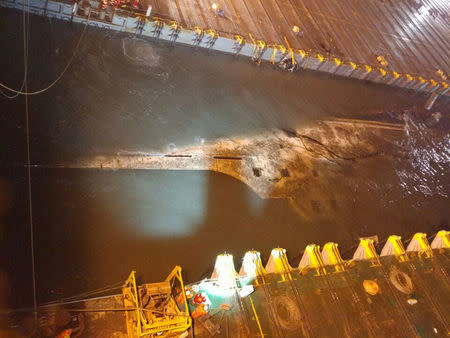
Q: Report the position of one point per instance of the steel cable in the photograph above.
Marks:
(28, 40)
(27, 93)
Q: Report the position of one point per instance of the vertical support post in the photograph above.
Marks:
(74, 10)
(45, 8)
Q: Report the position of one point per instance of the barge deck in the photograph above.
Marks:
(395, 293)
(400, 43)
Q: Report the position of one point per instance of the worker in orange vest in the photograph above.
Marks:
(201, 310)
(199, 299)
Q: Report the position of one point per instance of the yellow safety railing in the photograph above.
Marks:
(331, 256)
(312, 258)
(239, 39)
(366, 250)
(274, 52)
(394, 246)
(278, 263)
(442, 240)
(419, 243)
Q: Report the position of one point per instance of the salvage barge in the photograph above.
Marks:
(399, 43)
(396, 293)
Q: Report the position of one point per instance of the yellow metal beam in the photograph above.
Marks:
(442, 240)
(331, 256)
(419, 243)
(256, 317)
(394, 246)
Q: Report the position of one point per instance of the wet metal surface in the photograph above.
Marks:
(381, 296)
(307, 303)
(403, 44)
(411, 36)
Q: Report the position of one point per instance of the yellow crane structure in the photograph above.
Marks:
(156, 309)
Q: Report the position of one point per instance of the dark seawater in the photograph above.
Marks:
(125, 94)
